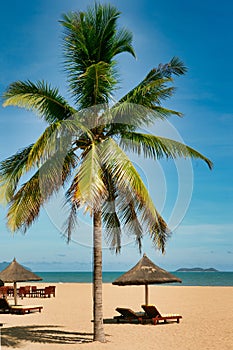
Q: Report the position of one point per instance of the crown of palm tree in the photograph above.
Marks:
(90, 143)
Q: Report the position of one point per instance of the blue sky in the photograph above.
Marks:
(196, 202)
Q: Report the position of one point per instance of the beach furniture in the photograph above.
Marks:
(10, 291)
(34, 292)
(5, 307)
(128, 315)
(153, 313)
(20, 292)
(4, 291)
(24, 291)
(47, 292)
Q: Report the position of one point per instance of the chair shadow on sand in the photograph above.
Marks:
(12, 337)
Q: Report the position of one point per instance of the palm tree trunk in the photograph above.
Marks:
(97, 278)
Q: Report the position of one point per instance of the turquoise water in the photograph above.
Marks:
(188, 278)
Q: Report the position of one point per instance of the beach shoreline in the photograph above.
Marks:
(65, 321)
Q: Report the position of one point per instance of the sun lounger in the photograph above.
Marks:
(128, 315)
(153, 313)
(25, 309)
(18, 309)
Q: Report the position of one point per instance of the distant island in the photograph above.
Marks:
(196, 269)
(3, 265)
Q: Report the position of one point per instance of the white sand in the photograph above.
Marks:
(65, 321)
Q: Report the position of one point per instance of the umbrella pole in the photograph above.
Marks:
(15, 293)
(146, 294)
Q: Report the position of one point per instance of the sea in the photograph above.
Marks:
(188, 278)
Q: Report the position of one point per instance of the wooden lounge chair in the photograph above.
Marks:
(128, 315)
(4, 291)
(47, 292)
(5, 307)
(153, 313)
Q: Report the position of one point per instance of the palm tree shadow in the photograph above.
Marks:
(12, 337)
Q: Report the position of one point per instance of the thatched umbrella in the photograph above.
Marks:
(143, 273)
(17, 273)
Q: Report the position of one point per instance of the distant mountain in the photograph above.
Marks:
(3, 265)
(196, 269)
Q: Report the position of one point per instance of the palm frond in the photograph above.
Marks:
(26, 203)
(94, 85)
(141, 107)
(113, 231)
(11, 170)
(40, 98)
(93, 36)
(130, 116)
(123, 42)
(128, 179)
(130, 217)
(45, 146)
(150, 92)
(71, 221)
(90, 38)
(58, 137)
(110, 218)
(175, 66)
(89, 187)
(56, 142)
(138, 220)
(70, 162)
(156, 147)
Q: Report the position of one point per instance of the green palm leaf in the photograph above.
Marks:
(123, 42)
(40, 98)
(57, 137)
(150, 92)
(112, 224)
(120, 213)
(11, 170)
(71, 221)
(26, 203)
(88, 179)
(157, 147)
(130, 215)
(55, 141)
(128, 179)
(90, 39)
(94, 85)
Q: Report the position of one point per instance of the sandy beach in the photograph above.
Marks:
(65, 321)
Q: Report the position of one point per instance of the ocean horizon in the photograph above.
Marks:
(190, 278)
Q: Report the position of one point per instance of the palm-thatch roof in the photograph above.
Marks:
(146, 272)
(17, 273)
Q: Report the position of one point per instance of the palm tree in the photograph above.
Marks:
(84, 147)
